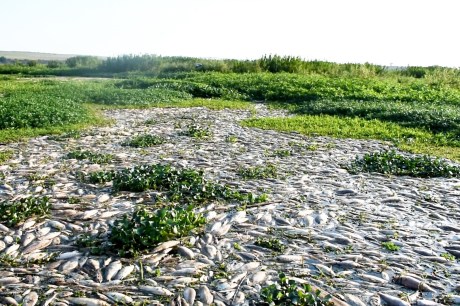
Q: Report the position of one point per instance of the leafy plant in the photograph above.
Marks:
(390, 246)
(389, 162)
(287, 292)
(270, 243)
(231, 139)
(176, 185)
(448, 256)
(5, 155)
(282, 153)
(13, 213)
(97, 158)
(145, 140)
(196, 131)
(258, 172)
(146, 229)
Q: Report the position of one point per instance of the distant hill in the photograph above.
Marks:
(38, 56)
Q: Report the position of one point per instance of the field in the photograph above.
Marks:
(145, 180)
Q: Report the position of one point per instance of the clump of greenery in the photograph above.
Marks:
(258, 172)
(270, 243)
(15, 212)
(146, 229)
(196, 131)
(282, 153)
(177, 185)
(97, 158)
(144, 141)
(448, 256)
(390, 246)
(5, 155)
(287, 292)
(231, 139)
(389, 162)
(64, 136)
(95, 244)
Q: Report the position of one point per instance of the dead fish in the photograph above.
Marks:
(165, 245)
(428, 303)
(190, 295)
(124, 272)
(412, 283)
(9, 281)
(392, 301)
(27, 239)
(186, 252)
(8, 301)
(69, 265)
(156, 290)
(88, 302)
(112, 269)
(11, 249)
(38, 245)
(353, 300)
(119, 297)
(205, 295)
(30, 299)
(326, 270)
(2, 245)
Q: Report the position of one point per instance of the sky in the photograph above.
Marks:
(384, 32)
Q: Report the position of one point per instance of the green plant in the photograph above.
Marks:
(175, 185)
(231, 139)
(448, 256)
(282, 153)
(196, 131)
(146, 229)
(390, 246)
(389, 162)
(270, 243)
(5, 155)
(13, 213)
(258, 172)
(145, 140)
(287, 292)
(97, 158)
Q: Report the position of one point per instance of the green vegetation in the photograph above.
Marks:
(5, 155)
(146, 229)
(258, 172)
(390, 246)
(96, 158)
(287, 292)
(144, 141)
(416, 108)
(448, 256)
(389, 162)
(196, 131)
(177, 185)
(15, 212)
(270, 243)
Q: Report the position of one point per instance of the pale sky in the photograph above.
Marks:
(385, 32)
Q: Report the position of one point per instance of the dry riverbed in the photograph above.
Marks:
(336, 229)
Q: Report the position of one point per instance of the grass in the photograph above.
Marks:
(258, 172)
(412, 139)
(97, 158)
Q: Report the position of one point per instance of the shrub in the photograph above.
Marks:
(143, 141)
(96, 158)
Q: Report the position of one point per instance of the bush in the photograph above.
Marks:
(13, 213)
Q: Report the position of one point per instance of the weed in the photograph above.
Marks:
(288, 292)
(96, 158)
(144, 141)
(389, 162)
(282, 153)
(258, 172)
(13, 213)
(270, 243)
(5, 155)
(146, 229)
(390, 246)
(150, 122)
(231, 139)
(237, 246)
(196, 131)
(448, 256)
